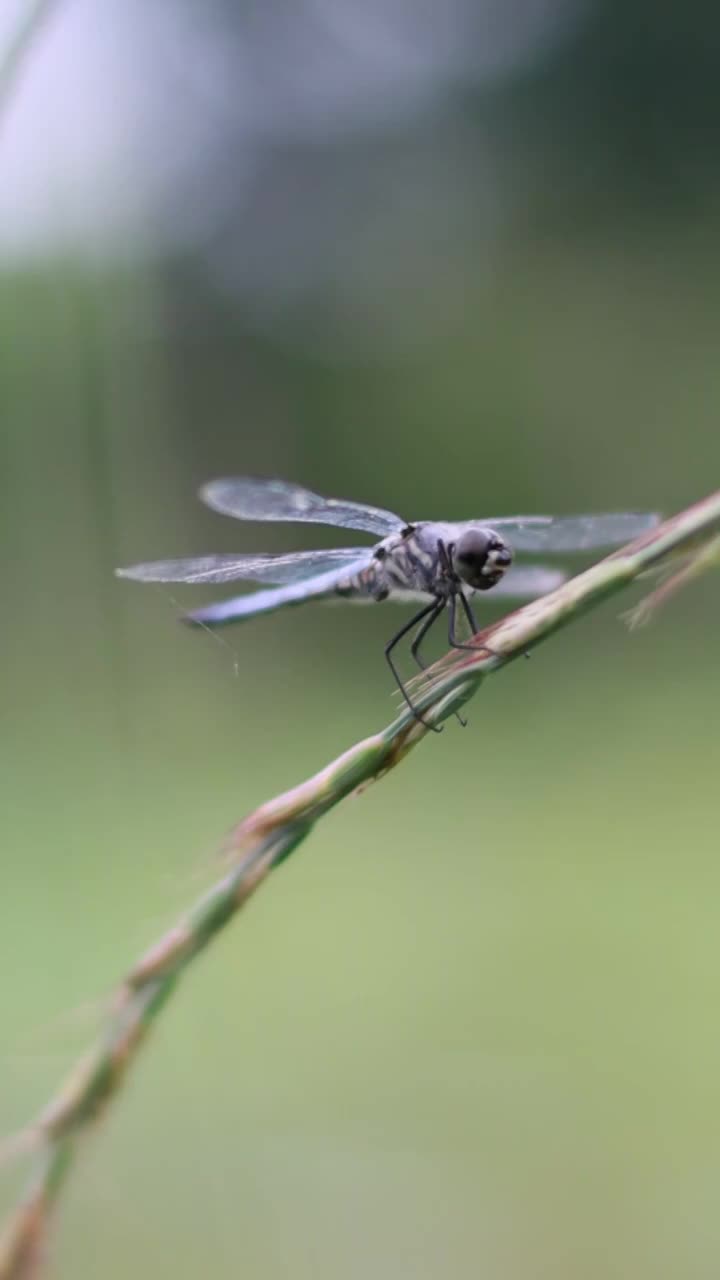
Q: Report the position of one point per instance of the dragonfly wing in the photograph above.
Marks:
(249, 499)
(523, 582)
(322, 586)
(296, 566)
(573, 533)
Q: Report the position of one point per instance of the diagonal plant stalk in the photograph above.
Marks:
(690, 540)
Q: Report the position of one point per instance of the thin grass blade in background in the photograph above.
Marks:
(17, 52)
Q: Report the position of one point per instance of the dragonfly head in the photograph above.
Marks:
(480, 558)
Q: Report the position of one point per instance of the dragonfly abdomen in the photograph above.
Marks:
(323, 587)
(369, 584)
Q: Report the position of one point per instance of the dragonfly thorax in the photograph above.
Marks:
(438, 559)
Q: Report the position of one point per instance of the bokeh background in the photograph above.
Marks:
(452, 259)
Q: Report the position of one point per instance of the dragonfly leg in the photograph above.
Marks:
(429, 620)
(467, 608)
(415, 646)
(430, 609)
(458, 644)
(452, 606)
(445, 557)
(452, 638)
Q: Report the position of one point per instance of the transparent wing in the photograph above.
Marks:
(573, 533)
(293, 567)
(519, 583)
(249, 499)
(524, 582)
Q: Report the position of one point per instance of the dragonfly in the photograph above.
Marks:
(439, 566)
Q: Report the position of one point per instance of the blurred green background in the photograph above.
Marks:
(450, 263)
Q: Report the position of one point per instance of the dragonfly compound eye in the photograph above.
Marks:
(481, 558)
